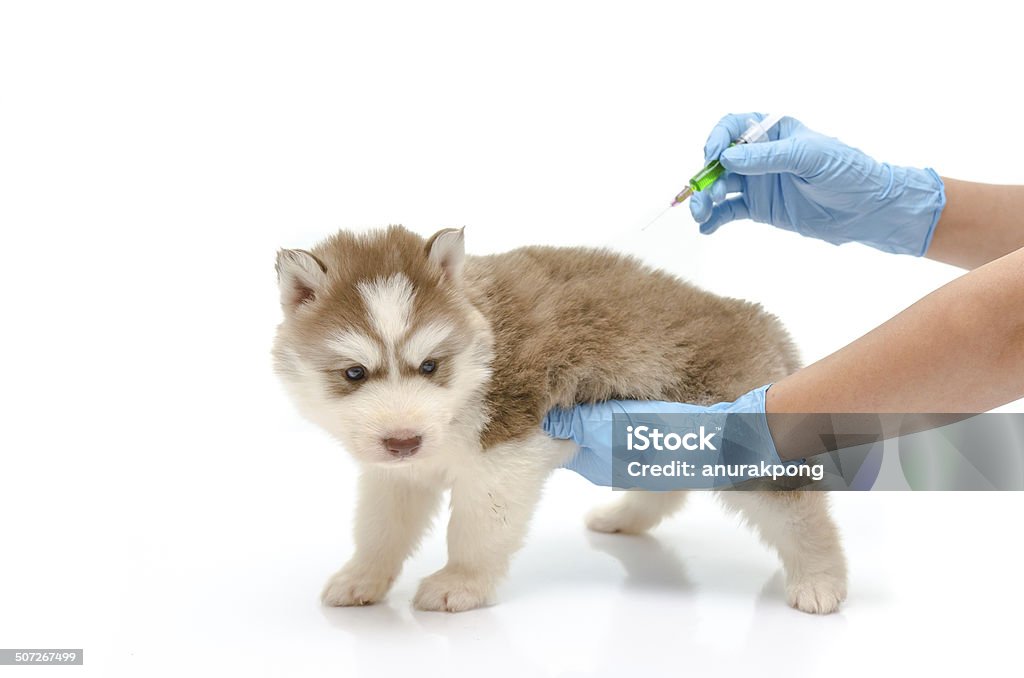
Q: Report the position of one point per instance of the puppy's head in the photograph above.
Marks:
(379, 344)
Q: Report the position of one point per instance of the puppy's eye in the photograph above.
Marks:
(356, 373)
(428, 366)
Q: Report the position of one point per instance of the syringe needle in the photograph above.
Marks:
(657, 217)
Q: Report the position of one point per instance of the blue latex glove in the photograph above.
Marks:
(818, 186)
(744, 439)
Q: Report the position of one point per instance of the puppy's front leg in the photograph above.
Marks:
(493, 498)
(392, 514)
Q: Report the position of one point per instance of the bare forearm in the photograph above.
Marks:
(980, 223)
(960, 349)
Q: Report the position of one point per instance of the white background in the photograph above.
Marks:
(164, 507)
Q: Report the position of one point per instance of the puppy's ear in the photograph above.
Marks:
(447, 249)
(301, 276)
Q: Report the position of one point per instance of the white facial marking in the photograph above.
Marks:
(358, 347)
(423, 341)
(389, 305)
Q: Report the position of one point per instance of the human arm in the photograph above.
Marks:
(980, 223)
(959, 349)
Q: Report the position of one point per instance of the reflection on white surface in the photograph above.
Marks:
(649, 615)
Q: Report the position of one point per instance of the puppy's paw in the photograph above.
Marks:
(356, 585)
(819, 594)
(449, 590)
(616, 517)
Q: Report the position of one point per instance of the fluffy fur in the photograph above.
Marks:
(467, 354)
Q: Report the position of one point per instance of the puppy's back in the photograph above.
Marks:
(577, 325)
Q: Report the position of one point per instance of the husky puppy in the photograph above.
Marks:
(434, 370)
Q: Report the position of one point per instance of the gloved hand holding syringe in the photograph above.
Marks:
(756, 131)
(803, 181)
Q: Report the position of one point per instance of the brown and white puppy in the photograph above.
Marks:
(435, 369)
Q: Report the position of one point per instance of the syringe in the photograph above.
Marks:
(757, 131)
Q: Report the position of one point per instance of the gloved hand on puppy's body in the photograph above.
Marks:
(726, 434)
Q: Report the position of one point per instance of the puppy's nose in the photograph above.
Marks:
(403, 447)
